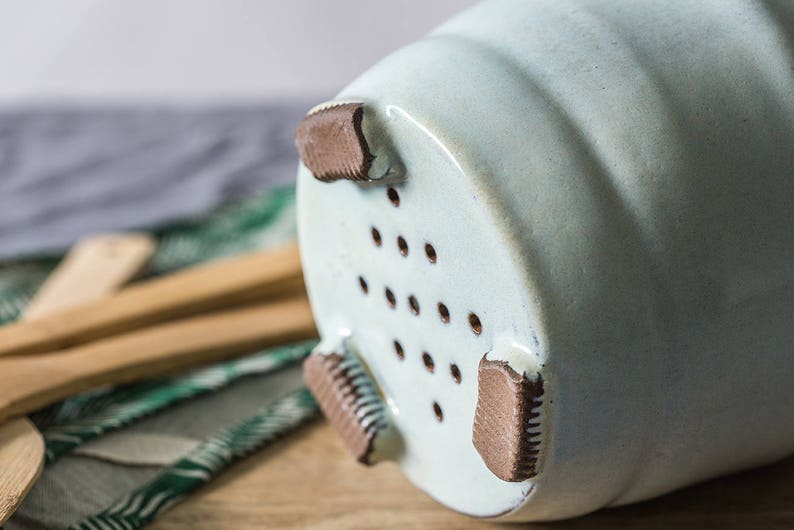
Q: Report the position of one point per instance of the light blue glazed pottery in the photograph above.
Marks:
(608, 187)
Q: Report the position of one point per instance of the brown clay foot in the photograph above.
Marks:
(350, 400)
(338, 141)
(507, 422)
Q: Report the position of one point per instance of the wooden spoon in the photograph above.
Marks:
(267, 274)
(21, 461)
(30, 382)
(94, 267)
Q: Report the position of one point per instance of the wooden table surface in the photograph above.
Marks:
(308, 481)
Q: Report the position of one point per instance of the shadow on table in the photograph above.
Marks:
(761, 498)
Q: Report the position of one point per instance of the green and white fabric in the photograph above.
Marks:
(145, 503)
(133, 403)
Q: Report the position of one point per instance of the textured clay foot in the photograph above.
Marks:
(349, 399)
(332, 145)
(507, 421)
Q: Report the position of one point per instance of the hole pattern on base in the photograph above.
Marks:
(431, 255)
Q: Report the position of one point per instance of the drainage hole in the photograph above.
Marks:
(413, 303)
(398, 349)
(443, 312)
(402, 245)
(474, 322)
(429, 364)
(390, 298)
(376, 237)
(363, 284)
(394, 197)
(430, 252)
(438, 411)
(455, 371)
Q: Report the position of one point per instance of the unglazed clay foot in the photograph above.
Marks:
(332, 142)
(507, 420)
(350, 401)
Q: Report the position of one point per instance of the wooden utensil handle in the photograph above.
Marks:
(30, 382)
(268, 274)
(94, 267)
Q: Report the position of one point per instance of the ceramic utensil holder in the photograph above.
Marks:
(550, 252)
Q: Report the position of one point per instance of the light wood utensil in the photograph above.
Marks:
(21, 461)
(30, 382)
(93, 268)
(235, 281)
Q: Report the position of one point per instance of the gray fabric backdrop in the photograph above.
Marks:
(67, 172)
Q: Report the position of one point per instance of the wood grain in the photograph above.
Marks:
(94, 267)
(234, 281)
(21, 462)
(30, 382)
(308, 481)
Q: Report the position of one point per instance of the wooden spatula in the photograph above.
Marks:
(235, 281)
(93, 268)
(30, 382)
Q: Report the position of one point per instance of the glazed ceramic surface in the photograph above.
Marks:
(600, 194)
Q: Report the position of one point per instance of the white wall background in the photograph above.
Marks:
(199, 50)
